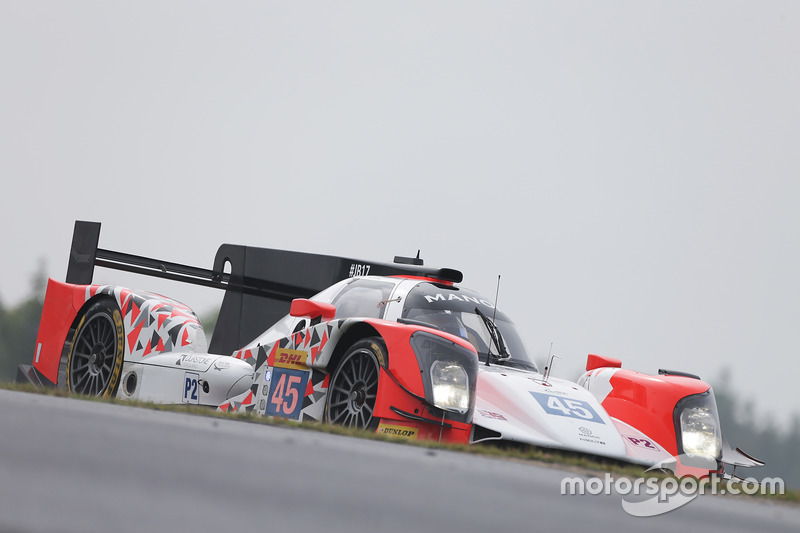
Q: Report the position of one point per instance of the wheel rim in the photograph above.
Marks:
(353, 391)
(94, 356)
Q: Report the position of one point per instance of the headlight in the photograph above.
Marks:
(698, 424)
(449, 372)
(450, 386)
(699, 432)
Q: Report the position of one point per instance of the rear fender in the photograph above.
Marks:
(61, 305)
(152, 323)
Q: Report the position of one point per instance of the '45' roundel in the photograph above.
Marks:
(569, 407)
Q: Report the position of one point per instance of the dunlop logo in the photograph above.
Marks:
(403, 432)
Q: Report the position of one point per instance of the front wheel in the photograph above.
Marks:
(353, 389)
(95, 356)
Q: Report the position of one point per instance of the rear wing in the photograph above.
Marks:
(259, 283)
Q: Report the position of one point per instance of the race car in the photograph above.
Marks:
(397, 348)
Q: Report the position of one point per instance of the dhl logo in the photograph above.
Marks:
(285, 358)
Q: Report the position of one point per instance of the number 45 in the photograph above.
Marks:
(569, 407)
(285, 395)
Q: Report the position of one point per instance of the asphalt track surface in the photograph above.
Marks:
(70, 465)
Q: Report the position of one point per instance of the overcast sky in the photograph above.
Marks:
(629, 168)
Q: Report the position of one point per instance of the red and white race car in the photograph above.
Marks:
(398, 348)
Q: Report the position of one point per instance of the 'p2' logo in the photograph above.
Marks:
(642, 442)
(190, 385)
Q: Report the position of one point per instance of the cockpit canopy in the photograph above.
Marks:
(458, 311)
(467, 314)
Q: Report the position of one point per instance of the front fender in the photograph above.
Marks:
(643, 401)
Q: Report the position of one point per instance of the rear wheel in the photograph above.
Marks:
(95, 356)
(353, 390)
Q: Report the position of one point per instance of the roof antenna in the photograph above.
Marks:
(494, 315)
(549, 366)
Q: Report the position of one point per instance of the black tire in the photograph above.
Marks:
(353, 389)
(95, 355)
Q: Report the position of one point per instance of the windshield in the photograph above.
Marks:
(458, 311)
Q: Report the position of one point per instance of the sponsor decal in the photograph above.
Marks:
(440, 297)
(491, 414)
(286, 358)
(398, 431)
(192, 360)
(221, 364)
(586, 435)
(568, 407)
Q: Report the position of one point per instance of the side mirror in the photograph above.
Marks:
(311, 309)
(598, 361)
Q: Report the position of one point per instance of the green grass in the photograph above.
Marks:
(575, 462)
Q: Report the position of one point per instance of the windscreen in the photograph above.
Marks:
(464, 313)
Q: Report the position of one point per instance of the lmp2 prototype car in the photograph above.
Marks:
(398, 348)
